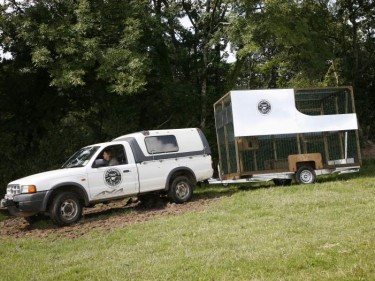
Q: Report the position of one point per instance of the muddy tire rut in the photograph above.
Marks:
(101, 217)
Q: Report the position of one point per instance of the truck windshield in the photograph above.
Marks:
(81, 157)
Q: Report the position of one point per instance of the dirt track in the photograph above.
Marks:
(101, 217)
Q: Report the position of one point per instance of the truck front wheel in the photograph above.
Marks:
(180, 190)
(305, 175)
(65, 209)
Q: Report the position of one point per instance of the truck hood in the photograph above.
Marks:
(46, 180)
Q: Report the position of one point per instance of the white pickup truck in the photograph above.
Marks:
(170, 162)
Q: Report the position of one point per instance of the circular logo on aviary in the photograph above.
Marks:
(264, 107)
(112, 177)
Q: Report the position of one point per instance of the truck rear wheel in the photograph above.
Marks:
(65, 209)
(305, 175)
(180, 190)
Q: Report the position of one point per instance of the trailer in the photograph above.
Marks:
(285, 134)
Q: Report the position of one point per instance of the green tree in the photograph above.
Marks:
(207, 40)
(355, 49)
(75, 68)
(285, 43)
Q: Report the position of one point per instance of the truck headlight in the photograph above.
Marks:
(28, 188)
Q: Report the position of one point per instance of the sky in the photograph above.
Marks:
(6, 55)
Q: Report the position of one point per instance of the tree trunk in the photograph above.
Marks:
(204, 88)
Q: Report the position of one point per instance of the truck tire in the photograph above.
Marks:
(65, 209)
(180, 190)
(305, 175)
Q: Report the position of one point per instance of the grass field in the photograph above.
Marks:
(324, 231)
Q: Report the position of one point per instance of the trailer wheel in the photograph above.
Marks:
(65, 209)
(305, 175)
(180, 190)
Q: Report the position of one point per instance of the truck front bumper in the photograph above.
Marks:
(24, 205)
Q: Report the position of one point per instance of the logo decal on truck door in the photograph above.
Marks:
(264, 107)
(112, 177)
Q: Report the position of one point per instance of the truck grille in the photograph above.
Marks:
(13, 189)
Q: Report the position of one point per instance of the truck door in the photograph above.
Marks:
(115, 176)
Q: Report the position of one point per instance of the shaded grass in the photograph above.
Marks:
(324, 231)
(3, 215)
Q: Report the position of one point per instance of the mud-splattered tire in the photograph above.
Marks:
(180, 190)
(305, 175)
(65, 209)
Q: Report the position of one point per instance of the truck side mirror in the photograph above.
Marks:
(100, 163)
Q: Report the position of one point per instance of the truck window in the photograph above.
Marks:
(114, 154)
(161, 144)
(81, 157)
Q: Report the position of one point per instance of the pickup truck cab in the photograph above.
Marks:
(170, 162)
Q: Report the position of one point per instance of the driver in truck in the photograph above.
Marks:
(108, 156)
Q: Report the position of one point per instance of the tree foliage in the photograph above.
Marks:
(84, 71)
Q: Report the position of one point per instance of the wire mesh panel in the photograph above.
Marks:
(324, 101)
(267, 153)
(225, 136)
